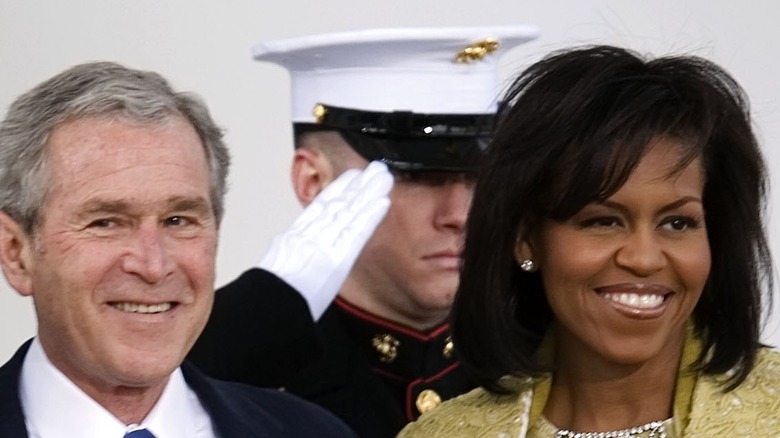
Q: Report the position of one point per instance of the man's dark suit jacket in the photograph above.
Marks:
(236, 410)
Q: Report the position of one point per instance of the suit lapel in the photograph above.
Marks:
(231, 413)
(11, 415)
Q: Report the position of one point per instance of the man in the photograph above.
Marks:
(421, 101)
(111, 194)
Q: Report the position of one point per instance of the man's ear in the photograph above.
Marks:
(15, 254)
(311, 172)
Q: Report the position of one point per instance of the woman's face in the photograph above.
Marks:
(623, 276)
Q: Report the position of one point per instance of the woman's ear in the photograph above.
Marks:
(524, 255)
(15, 254)
(311, 172)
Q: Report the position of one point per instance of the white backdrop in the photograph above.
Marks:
(204, 46)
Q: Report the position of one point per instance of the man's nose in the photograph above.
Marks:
(454, 203)
(148, 257)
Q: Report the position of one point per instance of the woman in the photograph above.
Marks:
(616, 258)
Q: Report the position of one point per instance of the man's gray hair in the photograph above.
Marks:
(99, 89)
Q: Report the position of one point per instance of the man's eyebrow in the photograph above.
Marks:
(177, 203)
(184, 203)
(104, 206)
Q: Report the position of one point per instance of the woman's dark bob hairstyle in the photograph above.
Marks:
(572, 129)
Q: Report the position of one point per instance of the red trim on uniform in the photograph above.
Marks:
(414, 383)
(360, 313)
(388, 374)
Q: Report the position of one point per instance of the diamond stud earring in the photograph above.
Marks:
(527, 265)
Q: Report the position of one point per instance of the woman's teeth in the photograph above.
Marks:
(641, 301)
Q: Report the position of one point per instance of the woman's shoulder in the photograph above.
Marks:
(769, 359)
(477, 413)
(751, 409)
(764, 378)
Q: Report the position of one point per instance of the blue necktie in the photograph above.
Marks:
(140, 433)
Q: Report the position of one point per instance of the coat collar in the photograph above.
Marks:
(231, 413)
(397, 350)
(11, 416)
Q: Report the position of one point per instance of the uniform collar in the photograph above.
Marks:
(395, 349)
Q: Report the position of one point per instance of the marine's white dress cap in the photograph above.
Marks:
(419, 99)
(402, 69)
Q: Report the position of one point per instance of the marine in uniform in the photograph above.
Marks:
(375, 350)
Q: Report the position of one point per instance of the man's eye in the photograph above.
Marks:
(101, 223)
(177, 221)
(431, 178)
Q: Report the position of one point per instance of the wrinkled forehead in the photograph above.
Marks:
(109, 152)
(116, 130)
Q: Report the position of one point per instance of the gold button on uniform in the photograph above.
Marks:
(386, 346)
(449, 347)
(427, 400)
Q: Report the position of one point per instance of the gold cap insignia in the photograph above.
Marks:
(427, 400)
(386, 346)
(319, 112)
(477, 51)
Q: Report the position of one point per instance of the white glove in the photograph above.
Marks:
(316, 254)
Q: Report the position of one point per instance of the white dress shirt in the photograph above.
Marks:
(54, 407)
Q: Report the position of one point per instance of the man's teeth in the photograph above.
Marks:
(644, 301)
(142, 308)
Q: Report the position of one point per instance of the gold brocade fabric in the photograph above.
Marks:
(751, 410)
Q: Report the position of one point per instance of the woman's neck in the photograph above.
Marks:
(590, 393)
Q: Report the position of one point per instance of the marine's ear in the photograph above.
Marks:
(311, 172)
(15, 254)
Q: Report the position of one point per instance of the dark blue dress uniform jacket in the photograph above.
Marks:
(261, 333)
(236, 410)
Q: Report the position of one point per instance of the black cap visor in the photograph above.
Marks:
(410, 142)
(420, 154)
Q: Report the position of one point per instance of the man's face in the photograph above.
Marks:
(122, 267)
(408, 271)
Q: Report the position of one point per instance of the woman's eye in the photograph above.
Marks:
(600, 222)
(680, 223)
